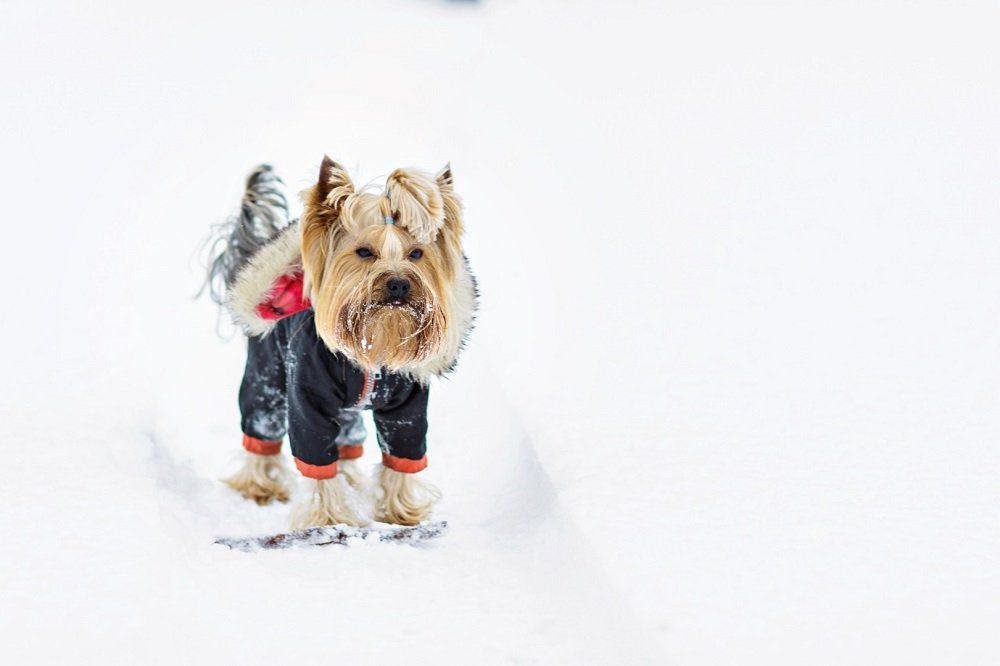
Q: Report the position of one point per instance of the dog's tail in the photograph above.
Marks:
(263, 214)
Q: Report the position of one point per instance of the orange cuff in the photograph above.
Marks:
(317, 471)
(404, 465)
(351, 451)
(260, 446)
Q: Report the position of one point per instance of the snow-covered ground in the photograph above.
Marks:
(735, 392)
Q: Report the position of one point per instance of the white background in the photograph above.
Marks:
(733, 397)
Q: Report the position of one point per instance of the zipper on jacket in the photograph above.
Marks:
(368, 386)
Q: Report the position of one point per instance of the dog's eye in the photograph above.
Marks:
(416, 253)
(363, 252)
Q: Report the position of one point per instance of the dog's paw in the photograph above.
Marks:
(328, 502)
(403, 499)
(262, 479)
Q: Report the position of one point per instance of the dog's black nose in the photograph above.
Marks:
(397, 288)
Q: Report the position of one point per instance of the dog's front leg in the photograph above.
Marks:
(315, 405)
(401, 497)
(327, 502)
(330, 499)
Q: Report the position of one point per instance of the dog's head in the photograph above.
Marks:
(385, 272)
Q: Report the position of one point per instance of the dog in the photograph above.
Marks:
(355, 306)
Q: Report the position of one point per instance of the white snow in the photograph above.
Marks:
(733, 396)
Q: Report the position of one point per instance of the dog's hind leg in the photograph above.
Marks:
(263, 406)
(350, 444)
(351, 470)
(263, 477)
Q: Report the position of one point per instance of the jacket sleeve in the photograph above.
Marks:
(401, 427)
(316, 396)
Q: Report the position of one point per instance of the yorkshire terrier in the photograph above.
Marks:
(355, 306)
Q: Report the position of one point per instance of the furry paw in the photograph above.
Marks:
(328, 502)
(262, 479)
(403, 499)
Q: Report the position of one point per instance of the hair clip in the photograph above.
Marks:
(389, 220)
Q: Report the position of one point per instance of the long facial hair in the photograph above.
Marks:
(354, 313)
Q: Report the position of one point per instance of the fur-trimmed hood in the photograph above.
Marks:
(269, 287)
(255, 285)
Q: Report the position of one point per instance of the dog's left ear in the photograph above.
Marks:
(444, 180)
(416, 203)
(452, 229)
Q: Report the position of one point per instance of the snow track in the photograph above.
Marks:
(512, 577)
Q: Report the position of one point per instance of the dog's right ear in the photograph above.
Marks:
(323, 203)
(332, 187)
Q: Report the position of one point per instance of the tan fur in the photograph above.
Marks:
(403, 499)
(420, 337)
(328, 502)
(261, 479)
(416, 203)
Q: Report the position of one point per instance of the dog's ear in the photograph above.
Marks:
(444, 179)
(452, 228)
(333, 186)
(323, 203)
(416, 203)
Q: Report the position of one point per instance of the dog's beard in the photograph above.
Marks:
(393, 335)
